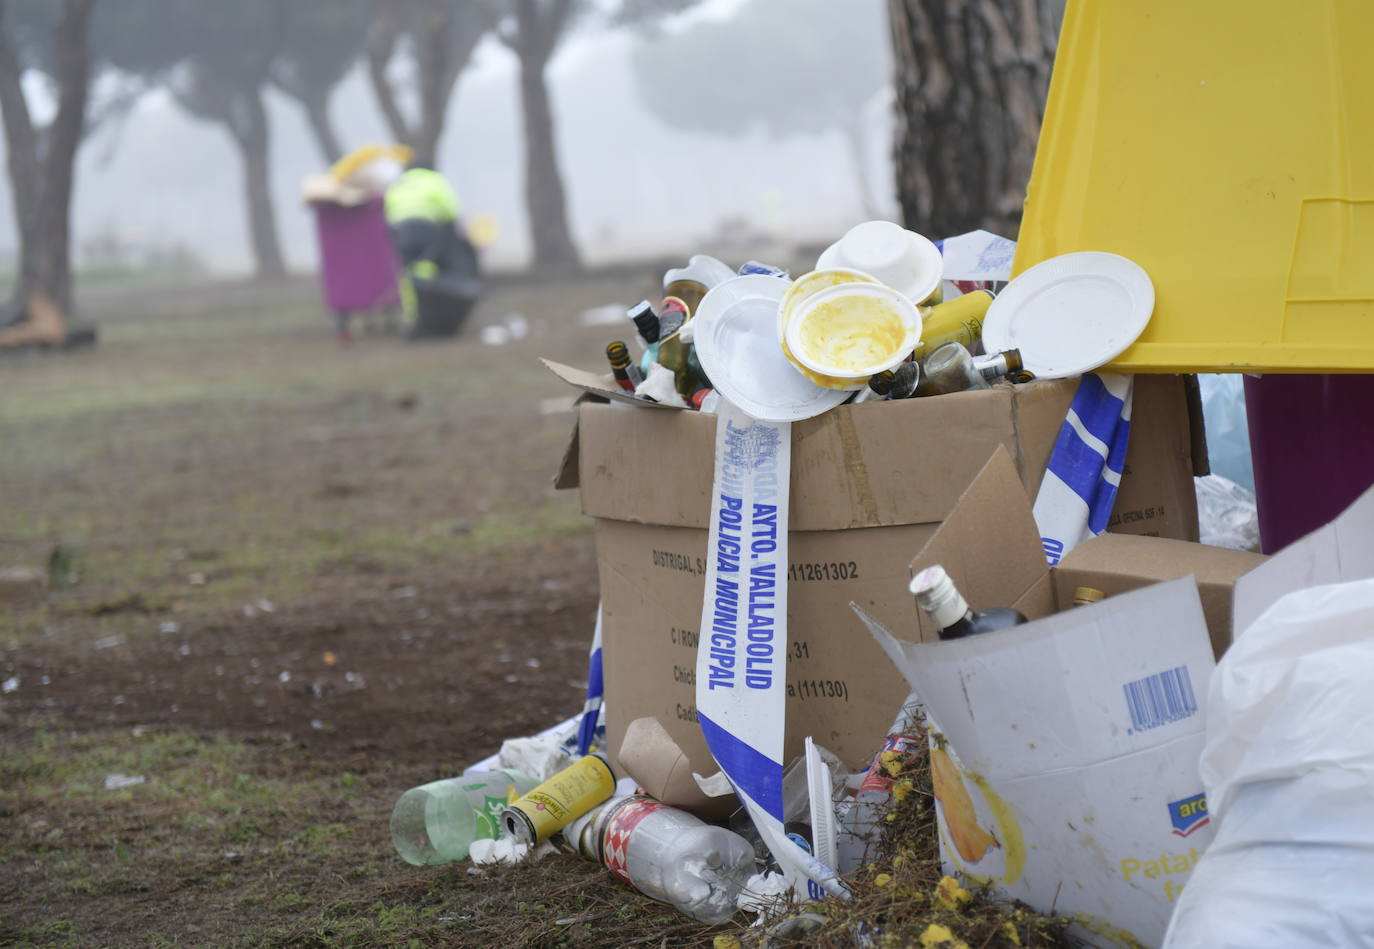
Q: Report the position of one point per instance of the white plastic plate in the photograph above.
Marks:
(824, 846)
(1071, 314)
(736, 337)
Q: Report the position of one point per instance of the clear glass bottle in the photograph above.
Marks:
(937, 595)
(906, 378)
(877, 389)
(438, 822)
(952, 368)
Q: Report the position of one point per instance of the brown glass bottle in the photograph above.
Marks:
(627, 375)
(936, 594)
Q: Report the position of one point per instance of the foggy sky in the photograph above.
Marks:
(635, 185)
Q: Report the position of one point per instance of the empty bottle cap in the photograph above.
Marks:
(645, 320)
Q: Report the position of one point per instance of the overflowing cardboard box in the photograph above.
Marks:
(1013, 572)
(1070, 744)
(870, 484)
(1066, 749)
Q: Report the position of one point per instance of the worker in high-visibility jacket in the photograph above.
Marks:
(442, 278)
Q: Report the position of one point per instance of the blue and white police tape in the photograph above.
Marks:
(591, 708)
(741, 652)
(1076, 498)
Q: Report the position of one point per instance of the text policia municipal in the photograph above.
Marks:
(745, 594)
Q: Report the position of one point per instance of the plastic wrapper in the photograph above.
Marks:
(1227, 515)
(1289, 767)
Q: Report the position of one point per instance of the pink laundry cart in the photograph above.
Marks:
(358, 266)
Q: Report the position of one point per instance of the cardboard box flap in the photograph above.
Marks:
(876, 464)
(566, 476)
(1111, 679)
(988, 544)
(1341, 551)
(1118, 563)
(602, 386)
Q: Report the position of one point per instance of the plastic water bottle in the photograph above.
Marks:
(437, 822)
(670, 855)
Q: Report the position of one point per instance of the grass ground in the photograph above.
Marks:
(289, 581)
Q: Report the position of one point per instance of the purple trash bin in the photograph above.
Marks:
(1312, 443)
(358, 266)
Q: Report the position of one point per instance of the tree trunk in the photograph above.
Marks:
(41, 167)
(538, 28)
(971, 80)
(317, 115)
(249, 131)
(545, 201)
(386, 31)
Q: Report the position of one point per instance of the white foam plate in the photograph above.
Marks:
(1071, 314)
(736, 337)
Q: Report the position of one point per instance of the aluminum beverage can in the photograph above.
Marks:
(572, 792)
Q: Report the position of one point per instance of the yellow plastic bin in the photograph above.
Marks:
(1228, 148)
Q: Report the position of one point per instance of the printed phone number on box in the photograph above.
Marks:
(797, 572)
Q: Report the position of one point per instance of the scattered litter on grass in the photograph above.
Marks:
(266, 606)
(169, 627)
(316, 724)
(402, 593)
(284, 676)
(113, 782)
(763, 890)
(10, 684)
(195, 579)
(184, 650)
(507, 850)
(330, 659)
(109, 642)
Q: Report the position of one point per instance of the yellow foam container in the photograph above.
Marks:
(1228, 148)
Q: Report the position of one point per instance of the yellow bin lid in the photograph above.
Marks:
(1227, 148)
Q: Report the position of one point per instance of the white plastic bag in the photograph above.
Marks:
(1289, 772)
(1227, 514)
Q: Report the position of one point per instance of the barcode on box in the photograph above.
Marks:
(1160, 699)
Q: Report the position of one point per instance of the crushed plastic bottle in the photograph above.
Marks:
(667, 854)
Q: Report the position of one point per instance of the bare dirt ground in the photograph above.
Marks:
(292, 581)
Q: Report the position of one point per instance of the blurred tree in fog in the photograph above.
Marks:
(320, 43)
(52, 38)
(791, 67)
(532, 29)
(215, 60)
(222, 79)
(438, 37)
(971, 80)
